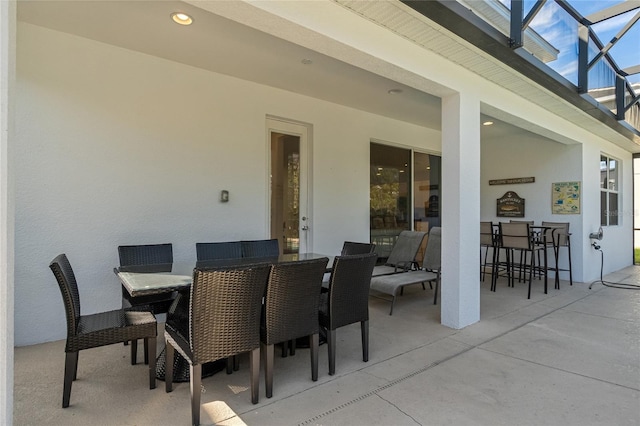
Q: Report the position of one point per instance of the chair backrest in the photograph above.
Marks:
(406, 247)
(224, 250)
(561, 233)
(63, 272)
(433, 252)
(291, 301)
(530, 222)
(349, 289)
(515, 235)
(487, 238)
(224, 311)
(350, 248)
(147, 254)
(260, 248)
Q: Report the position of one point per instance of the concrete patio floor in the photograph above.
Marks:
(571, 357)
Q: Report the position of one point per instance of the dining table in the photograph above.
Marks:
(141, 280)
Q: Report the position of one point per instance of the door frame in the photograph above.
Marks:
(304, 131)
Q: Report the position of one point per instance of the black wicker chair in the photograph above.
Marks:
(291, 311)
(223, 320)
(350, 248)
(215, 251)
(260, 248)
(154, 256)
(100, 329)
(347, 300)
(225, 250)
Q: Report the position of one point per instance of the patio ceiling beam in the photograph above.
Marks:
(532, 13)
(615, 39)
(612, 12)
(631, 70)
(474, 30)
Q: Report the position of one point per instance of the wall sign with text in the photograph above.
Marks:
(510, 205)
(565, 198)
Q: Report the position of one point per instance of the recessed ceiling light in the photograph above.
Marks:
(307, 61)
(394, 91)
(181, 18)
(487, 123)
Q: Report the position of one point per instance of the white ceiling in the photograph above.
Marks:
(225, 46)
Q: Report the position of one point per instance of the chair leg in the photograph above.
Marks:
(364, 332)
(285, 349)
(150, 354)
(70, 367)
(168, 372)
(393, 301)
(268, 351)
(230, 365)
(75, 370)
(254, 372)
(435, 293)
(569, 253)
(146, 352)
(195, 373)
(314, 349)
(292, 347)
(331, 346)
(531, 276)
(134, 352)
(236, 363)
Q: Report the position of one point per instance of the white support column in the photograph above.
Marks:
(460, 305)
(7, 66)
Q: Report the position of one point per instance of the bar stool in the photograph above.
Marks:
(558, 236)
(518, 236)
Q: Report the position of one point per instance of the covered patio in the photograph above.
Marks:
(125, 128)
(570, 357)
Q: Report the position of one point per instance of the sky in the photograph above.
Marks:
(560, 30)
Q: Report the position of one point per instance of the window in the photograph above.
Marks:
(403, 191)
(609, 189)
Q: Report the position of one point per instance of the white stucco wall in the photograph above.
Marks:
(115, 147)
(551, 162)
(547, 162)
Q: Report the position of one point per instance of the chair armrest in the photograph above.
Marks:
(404, 266)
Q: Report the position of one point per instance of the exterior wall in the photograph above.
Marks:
(116, 147)
(617, 244)
(548, 162)
(551, 162)
(7, 75)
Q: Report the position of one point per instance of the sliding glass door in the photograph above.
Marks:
(404, 194)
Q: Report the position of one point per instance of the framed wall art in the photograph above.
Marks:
(565, 198)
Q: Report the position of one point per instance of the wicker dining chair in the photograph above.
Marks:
(351, 248)
(260, 248)
(347, 301)
(291, 311)
(223, 320)
(152, 255)
(223, 250)
(99, 329)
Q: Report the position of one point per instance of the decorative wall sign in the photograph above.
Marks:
(565, 198)
(510, 205)
(512, 181)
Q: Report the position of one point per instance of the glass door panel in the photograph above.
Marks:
(390, 195)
